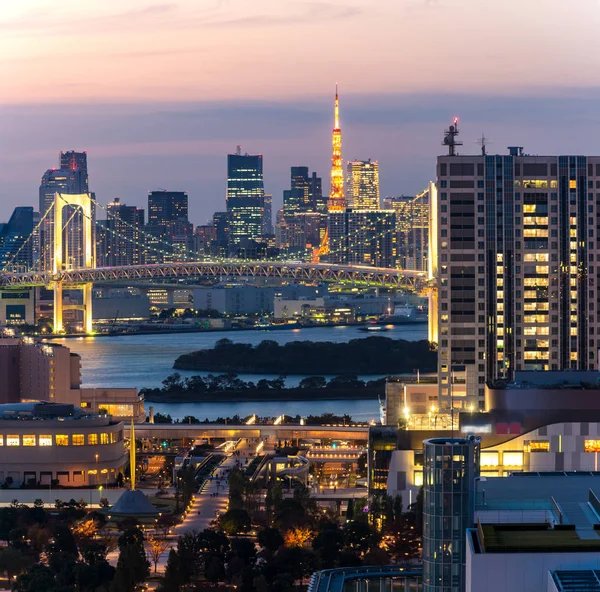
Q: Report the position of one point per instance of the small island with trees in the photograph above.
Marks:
(370, 356)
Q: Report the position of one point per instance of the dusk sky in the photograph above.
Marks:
(159, 92)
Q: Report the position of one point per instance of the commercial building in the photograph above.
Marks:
(42, 372)
(120, 304)
(245, 197)
(165, 207)
(119, 237)
(517, 274)
(362, 185)
(17, 308)
(363, 237)
(15, 250)
(235, 299)
(412, 222)
(70, 178)
(48, 443)
(451, 466)
(305, 193)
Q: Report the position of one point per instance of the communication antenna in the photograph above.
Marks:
(483, 142)
(450, 138)
(239, 150)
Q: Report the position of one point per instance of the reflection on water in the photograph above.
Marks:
(146, 360)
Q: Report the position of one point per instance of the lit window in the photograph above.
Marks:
(61, 440)
(92, 439)
(45, 440)
(513, 459)
(489, 459)
(1, 440)
(418, 478)
(539, 446)
(591, 445)
(28, 439)
(113, 438)
(104, 439)
(78, 439)
(12, 440)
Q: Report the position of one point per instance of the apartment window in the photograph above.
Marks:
(12, 440)
(28, 439)
(113, 438)
(61, 439)
(45, 440)
(539, 446)
(1, 440)
(92, 439)
(78, 439)
(104, 438)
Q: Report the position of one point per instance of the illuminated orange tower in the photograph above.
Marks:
(337, 202)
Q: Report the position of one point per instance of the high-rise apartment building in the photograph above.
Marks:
(362, 185)
(515, 254)
(71, 178)
(412, 219)
(245, 197)
(17, 250)
(119, 236)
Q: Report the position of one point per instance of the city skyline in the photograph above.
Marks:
(171, 123)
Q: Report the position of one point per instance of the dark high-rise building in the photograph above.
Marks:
(16, 250)
(222, 224)
(167, 206)
(70, 178)
(245, 197)
(305, 193)
(267, 225)
(119, 237)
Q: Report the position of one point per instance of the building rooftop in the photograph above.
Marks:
(577, 580)
(41, 410)
(531, 538)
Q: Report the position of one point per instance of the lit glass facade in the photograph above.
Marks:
(451, 466)
(362, 184)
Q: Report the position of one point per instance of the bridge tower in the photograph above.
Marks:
(83, 201)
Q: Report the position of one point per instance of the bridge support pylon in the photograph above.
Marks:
(58, 307)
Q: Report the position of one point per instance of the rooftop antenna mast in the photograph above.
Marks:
(239, 150)
(483, 142)
(450, 138)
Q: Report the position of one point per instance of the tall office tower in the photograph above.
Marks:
(371, 238)
(17, 249)
(362, 185)
(517, 255)
(267, 222)
(245, 196)
(222, 224)
(305, 193)
(450, 468)
(169, 235)
(72, 178)
(165, 207)
(412, 221)
(119, 237)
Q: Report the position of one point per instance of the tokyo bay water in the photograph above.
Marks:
(146, 360)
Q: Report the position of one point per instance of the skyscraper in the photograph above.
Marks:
(412, 221)
(15, 248)
(267, 223)
(516, 258)
(119, 236)
(362, 186)
(165, 207)
(245, 196)
(71, 178)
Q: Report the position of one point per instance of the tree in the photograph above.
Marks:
(328, 544)
(13, 562)
(350, 510)
(132, 568)
(270, 539)
(313, 382)
(172, 580)
(358, 536)
(235, 521)
(298, 537)
(156, 547)
(38, 578)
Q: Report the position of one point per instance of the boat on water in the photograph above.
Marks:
(404, 314)
(374, 328)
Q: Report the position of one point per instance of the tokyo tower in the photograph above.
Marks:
(336, 202)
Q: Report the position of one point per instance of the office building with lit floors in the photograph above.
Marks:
(451, 466)
(43, 443)
(516, 251)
